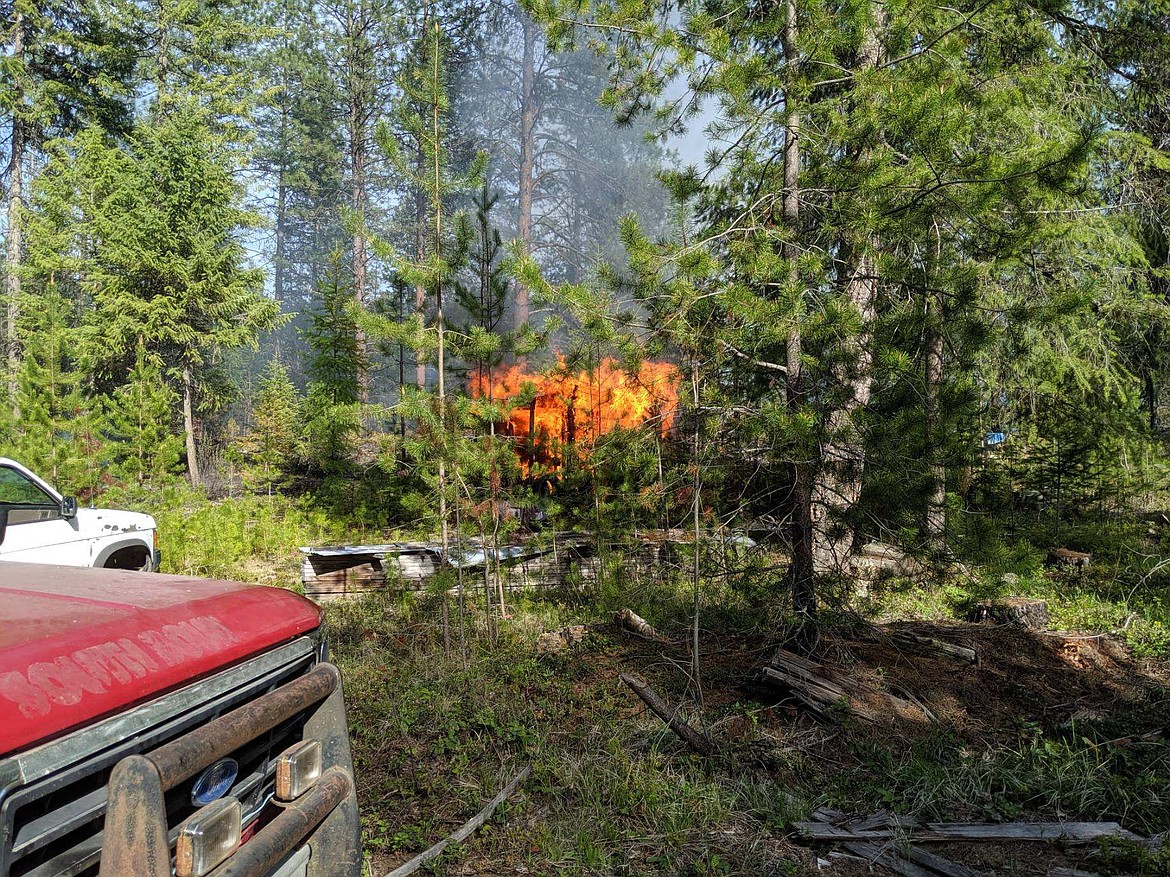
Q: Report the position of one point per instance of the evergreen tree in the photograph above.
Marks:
(332, 408)
(878, 154)
(153, 225)
(66, 65)
(141, 424)
(269, 445)
(59, 428)
(484, 298)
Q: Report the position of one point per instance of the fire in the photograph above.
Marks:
(572, 410)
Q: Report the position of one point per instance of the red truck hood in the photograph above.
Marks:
(80, 644)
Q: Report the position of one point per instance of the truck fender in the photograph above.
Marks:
(110, 550)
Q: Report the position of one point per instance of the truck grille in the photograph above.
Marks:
(51, 825)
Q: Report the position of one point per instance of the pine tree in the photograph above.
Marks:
(424, 118)
(269, 445)
(152, 225)
(141, 424)
(332, 407)
(861, 171)
(484, 298)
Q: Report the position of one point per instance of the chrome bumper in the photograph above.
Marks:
(136, 840)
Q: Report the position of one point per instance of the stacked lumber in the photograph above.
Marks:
(823, 691)
(328, 578)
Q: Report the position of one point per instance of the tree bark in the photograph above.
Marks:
(527, 181)
(189, 429)
(837, 485)
(802, 579)
(15, 195)
(420, 242)
(934, 518)
(357, 118)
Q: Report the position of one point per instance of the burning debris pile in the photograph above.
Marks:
(569, 411)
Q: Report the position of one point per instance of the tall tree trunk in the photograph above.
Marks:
(357, 114)
(440, 330)
(15, 194)
(804, 600)
(420, 242)
(836, 487)
(189, 429)
(527, 180)
(934, 522)
(358, 197)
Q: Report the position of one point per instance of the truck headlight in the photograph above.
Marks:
(207, 838)
(297, 769)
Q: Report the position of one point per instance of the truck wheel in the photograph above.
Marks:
(136, 557)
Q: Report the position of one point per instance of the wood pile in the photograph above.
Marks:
(327, 578)
(825, 692)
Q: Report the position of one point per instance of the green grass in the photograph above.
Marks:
(611, 791)
(1094, 601)
(250, 539)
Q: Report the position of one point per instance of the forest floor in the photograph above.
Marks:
(1045, 727)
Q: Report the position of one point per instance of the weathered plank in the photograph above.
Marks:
(963, 653)
(1070, 832)
(887, 857)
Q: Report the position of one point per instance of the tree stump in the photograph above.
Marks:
(1064, 557)
(1020, 611)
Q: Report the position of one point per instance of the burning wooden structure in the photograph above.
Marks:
(568, 411)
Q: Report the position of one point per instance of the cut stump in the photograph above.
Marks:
(1020, 611)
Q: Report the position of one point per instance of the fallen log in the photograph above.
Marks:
(931, 644)
(464, 831)
(696, 740)
(637, 625)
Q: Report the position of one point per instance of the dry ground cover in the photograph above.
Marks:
(1044, 727)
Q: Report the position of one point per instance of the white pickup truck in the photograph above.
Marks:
(39, 525)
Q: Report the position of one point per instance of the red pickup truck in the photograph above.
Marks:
(158, 725)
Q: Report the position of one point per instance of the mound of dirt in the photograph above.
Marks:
(1020, 675)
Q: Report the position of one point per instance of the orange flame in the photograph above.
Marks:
(572, 410)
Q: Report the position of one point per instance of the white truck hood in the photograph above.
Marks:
(103, 522)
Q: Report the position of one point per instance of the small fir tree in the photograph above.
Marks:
(269, 446)
(142, 424)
